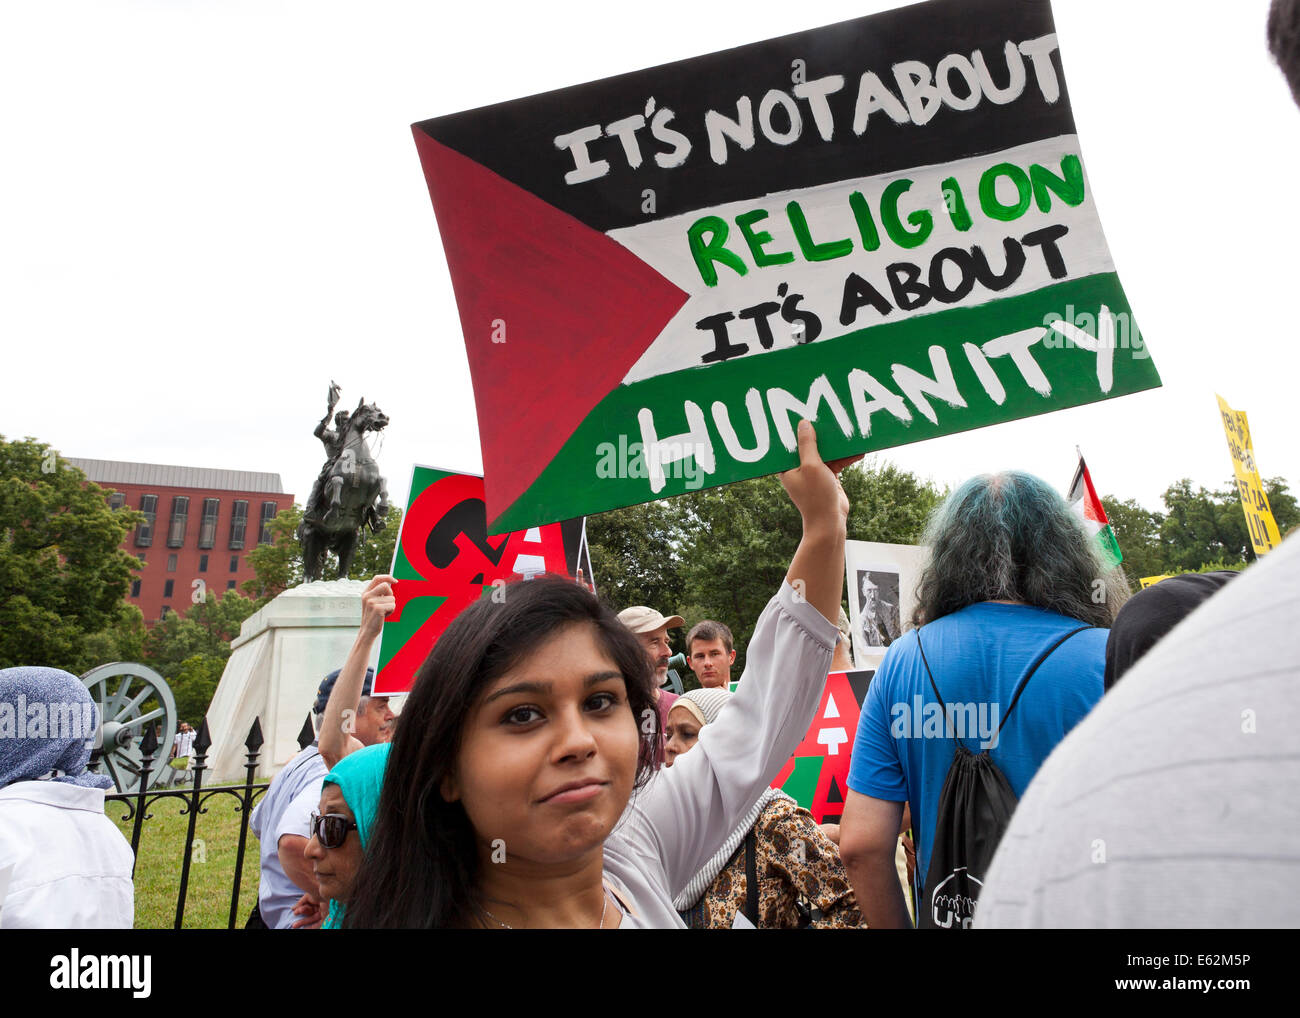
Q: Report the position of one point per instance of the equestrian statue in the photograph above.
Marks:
(349, 493)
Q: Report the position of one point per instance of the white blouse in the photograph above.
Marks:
(677, 822)
(70, 867)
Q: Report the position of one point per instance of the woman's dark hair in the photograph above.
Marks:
(1283, 33)
(1011, 537)
(421, 868)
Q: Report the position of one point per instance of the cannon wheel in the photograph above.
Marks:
(120, 690)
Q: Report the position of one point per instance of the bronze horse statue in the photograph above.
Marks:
(349, 494)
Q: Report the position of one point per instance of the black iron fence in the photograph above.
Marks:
(195, 799)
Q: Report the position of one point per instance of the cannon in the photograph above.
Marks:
(122, 690)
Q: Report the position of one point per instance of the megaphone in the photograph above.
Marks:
(674, 681)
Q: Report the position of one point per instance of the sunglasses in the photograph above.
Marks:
(332, 828)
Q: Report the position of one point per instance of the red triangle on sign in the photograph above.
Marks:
(554, 313)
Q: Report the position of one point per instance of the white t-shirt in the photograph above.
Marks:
(674, 825)
(1173, 803)
(276, 892)
(184, 742)
(296, 818)
(71, 867)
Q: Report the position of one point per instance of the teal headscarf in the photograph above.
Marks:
(360, 777)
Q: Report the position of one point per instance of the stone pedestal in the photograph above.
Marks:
(276, 665)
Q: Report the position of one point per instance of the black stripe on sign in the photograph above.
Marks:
(516, 139)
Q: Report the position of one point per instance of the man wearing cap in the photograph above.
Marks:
(348, 718)
(651, 628)
(278, 891)
(351, 717)
(349, 721)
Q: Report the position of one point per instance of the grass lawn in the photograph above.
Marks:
(212, 868)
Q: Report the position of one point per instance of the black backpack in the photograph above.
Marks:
(975, 807)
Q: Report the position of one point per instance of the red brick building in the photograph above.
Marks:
(200, 526)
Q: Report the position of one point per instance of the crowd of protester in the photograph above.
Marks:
(539, 774)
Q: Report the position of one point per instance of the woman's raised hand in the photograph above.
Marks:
(377, 602)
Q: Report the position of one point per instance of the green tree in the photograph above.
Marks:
(206, 630)
(278, 565)
(375, 553)
(1200, 529)
(1196, 530)
(1137, 529)
(722, 552)
(634, 556)
(888, 504)
(1233, 518)
(1285, 506)
(121, 641)
(63, 574)
(193, 685)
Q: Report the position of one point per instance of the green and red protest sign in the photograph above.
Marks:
(817, 775)
(445, 560)
(884, 225)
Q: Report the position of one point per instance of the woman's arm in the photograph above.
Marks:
(336, 740)
(692, 807)
(817, 569)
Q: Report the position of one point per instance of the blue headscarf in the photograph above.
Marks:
(360, 777)
(48, 723)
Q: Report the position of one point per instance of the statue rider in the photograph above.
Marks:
(333, 441)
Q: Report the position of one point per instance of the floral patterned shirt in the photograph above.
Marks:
(799, 870)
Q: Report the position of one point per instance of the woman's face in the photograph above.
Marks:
(682, 731)
(336, 868)
(549, 753)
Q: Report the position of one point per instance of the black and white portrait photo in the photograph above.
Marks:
(878, 613)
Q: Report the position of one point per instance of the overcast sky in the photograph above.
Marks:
(209, 209)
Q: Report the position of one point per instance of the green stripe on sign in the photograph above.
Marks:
(801, 785)
(396, 634)
(872, 389)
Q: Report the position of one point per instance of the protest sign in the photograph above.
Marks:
(445, 560)
(1264, 535)
(882, 593)
(816, 776)
(883, 224)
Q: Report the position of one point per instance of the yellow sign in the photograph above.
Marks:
(1151, 581)
(1259, 517)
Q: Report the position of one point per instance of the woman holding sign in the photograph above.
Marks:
(522, 790)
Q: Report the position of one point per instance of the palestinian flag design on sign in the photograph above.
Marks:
(817, 775)
(884, 225)
(445, 560)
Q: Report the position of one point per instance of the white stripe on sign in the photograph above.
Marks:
(831, 214)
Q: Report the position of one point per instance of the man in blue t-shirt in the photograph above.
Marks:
(1011, 571)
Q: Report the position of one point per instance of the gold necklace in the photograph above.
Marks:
(603, 910)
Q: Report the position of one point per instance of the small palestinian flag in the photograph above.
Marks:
(1084, 501)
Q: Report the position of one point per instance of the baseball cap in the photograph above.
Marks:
(327, 686)
(641, 619)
